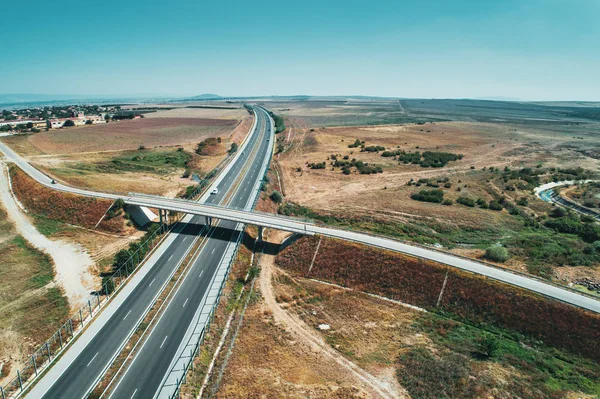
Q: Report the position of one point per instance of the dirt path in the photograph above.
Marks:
(71, 262)
(304, 334)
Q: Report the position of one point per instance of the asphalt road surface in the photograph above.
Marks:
(82, 373)
(143, 377)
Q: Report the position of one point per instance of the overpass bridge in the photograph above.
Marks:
(306, 227)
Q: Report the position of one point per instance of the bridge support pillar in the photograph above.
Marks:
(207, 220)
(259, 237)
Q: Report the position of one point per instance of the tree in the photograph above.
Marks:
(69, 123)
(89, 122)
(29, 125)
(233, 148)
(121, 258)
(108, 285)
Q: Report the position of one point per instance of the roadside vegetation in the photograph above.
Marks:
(473, 306)
(142, 160)
(279, 122)
(49, 206)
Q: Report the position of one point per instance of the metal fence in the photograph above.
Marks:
(50, 349)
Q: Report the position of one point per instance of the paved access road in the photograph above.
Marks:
(79, 369)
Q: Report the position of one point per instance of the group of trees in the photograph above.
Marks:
(435, 195)
(279, 122)
(568, 223)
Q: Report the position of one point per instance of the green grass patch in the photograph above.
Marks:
(158, 162)
(545, 372)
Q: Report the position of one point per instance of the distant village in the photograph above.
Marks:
(58, 117)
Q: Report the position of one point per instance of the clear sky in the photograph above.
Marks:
(526, 49)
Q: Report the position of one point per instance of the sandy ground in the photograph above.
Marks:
(72, 262)
(305, 335)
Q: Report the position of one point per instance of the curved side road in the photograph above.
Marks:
(281, 223)
(547, 193)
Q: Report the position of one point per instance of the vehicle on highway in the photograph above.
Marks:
(214, 191)
(53, 181)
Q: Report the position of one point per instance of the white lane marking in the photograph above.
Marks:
(127, 314)
(186, 237)
(161, 345)
(170, 257)
(134, 392)
(152, 282)
(213, 251)
(223, 232)
(201, 274)
(185, 303)
(92, 359)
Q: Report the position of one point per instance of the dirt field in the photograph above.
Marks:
(95, 169)
(204, 113)
(304, 338)
(130, 134)
(383, 201)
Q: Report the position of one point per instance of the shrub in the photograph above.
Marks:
(233, 148)
(466, 201)
(495, 206)
(436, 196)
(373, 148)
(497, 253)
(447, 202)
(488, 345)
(276, 197)
(69, 123)
(356, 144)
(320, 165)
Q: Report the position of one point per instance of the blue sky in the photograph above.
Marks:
(528, 49)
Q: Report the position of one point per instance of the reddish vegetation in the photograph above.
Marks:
(65, 207)
(471, 297)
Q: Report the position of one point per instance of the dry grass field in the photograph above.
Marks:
(29, 299)
(107, 157)
(130, 134)
(491, 151)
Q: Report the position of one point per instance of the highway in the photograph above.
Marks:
(145, 374)
(81, 367)
(168, 336)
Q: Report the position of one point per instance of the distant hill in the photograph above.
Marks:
(207, 96)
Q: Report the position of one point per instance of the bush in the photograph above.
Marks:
(436, 196)
(557, 212)
(466, 201)
(233, 148)
(497, 253)
(495, 206)
(488, 345)
(320, 165)
(447, 202)
(276, 197)
(69, 123)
